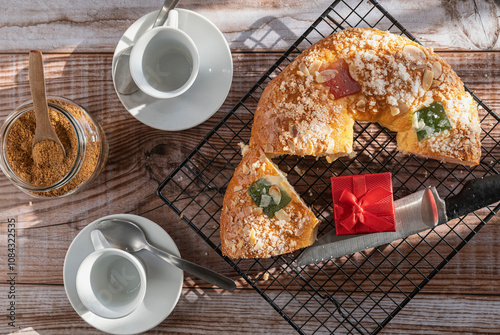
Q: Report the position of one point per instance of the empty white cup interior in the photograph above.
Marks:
(111, 283)
(164, 62)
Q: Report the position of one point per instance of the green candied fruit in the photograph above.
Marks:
(430, 120)
(259, 192)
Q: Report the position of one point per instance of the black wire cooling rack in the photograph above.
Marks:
(358, 293)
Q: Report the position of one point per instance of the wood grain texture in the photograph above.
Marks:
(96, 26)
(78, 39)
(47, 311)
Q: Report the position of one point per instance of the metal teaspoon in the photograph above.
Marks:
(128, 236)
(123, 79)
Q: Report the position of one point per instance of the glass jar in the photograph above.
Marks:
(83, 140)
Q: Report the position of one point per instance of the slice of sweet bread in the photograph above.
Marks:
(262, 215)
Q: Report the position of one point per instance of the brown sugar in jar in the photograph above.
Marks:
(44, 170)
(43, 164)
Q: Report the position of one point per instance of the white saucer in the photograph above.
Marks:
(164, 283)
(209, 90)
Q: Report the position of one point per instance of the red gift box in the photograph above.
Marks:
(363, 204)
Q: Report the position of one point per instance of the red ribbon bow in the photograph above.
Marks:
(351, 210)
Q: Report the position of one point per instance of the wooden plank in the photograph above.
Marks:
(46, 310)
(87, 80)
(447, 314)
(96, 26)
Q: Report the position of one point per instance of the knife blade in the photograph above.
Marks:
(414, 213)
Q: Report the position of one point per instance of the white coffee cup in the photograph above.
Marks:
(110, 282)
(164, 62)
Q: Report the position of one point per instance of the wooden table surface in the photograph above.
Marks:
(78, 40)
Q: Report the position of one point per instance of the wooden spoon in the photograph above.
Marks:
(44, 130)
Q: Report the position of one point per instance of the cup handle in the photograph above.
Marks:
(98, 240)
(173, 19)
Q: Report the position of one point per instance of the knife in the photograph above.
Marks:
(414, 213)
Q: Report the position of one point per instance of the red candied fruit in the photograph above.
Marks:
(339, 80)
